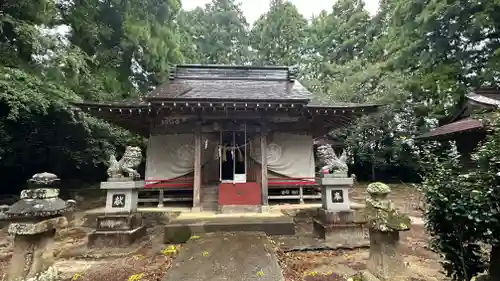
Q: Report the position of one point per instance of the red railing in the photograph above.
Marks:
(186, 182)
(166, 183)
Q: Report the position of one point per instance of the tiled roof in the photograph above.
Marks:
(468, 124)
(230, 90)
(486, 97)
(492, 93)
(231, 83)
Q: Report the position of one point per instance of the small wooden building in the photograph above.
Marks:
(233, 133)
(462, 127)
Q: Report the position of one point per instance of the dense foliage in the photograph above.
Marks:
(418, 57)
(463, 205)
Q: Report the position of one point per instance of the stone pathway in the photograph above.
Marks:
(417, 220)
(240, 256)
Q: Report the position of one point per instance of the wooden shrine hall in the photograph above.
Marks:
(463, 127)
(229, 136)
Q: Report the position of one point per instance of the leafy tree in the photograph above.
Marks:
(452, 213)
(219, 32)
(131, 43)
(40, 74)
(278, 36)
(463, 209)
(341, 36)
(19, 35)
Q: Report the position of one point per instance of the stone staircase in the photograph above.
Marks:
(209, 198)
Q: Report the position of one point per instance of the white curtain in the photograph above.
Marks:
(172, 156)
(289, 155)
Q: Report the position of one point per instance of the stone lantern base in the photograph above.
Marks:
(33, 247)
(116, 230)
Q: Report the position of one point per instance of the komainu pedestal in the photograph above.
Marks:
(339, 229)
(336, 222)
(120, 225)
(117, 230)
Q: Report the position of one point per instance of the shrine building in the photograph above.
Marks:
(464, 126)
(229, 137)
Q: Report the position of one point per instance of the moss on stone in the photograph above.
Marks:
(388, 220)
(378, 188)
(381, 213)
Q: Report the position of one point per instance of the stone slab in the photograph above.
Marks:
(37, 208)
(347, 236)
(335, 181)
(226, 256)
(230, 209)
(26, 228)
(335, 174)
(332, 217)
(117, 238)
(179, 231)
(305, 242)
(119, 222)
(122, 185)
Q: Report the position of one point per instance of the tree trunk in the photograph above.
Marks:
(373, 171)
(494, 269)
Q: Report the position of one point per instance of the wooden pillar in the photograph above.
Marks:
(197, 168)
(161, 196)
(263, 154)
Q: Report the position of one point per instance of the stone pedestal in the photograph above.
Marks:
(386, 260)
(335, 192)
(120, 226)
(339, 230)
(117, 230)
(335, 222)
(122, 195)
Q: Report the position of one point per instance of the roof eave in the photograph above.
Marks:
(446, 131)
(482, 100)
(194, 100)
(109, 105)
(223, 66)
(447, 136)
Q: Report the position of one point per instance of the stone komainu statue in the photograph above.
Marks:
(328, 160)
(127, 165)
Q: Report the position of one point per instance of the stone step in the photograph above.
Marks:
(209, 209)
(209, 193)
(209, 197)
(180, 230)
(210, 204)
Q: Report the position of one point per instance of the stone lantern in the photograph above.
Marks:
(33, 223)
(385, 222)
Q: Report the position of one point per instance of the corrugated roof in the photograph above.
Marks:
(231, 82)
(468, 124)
